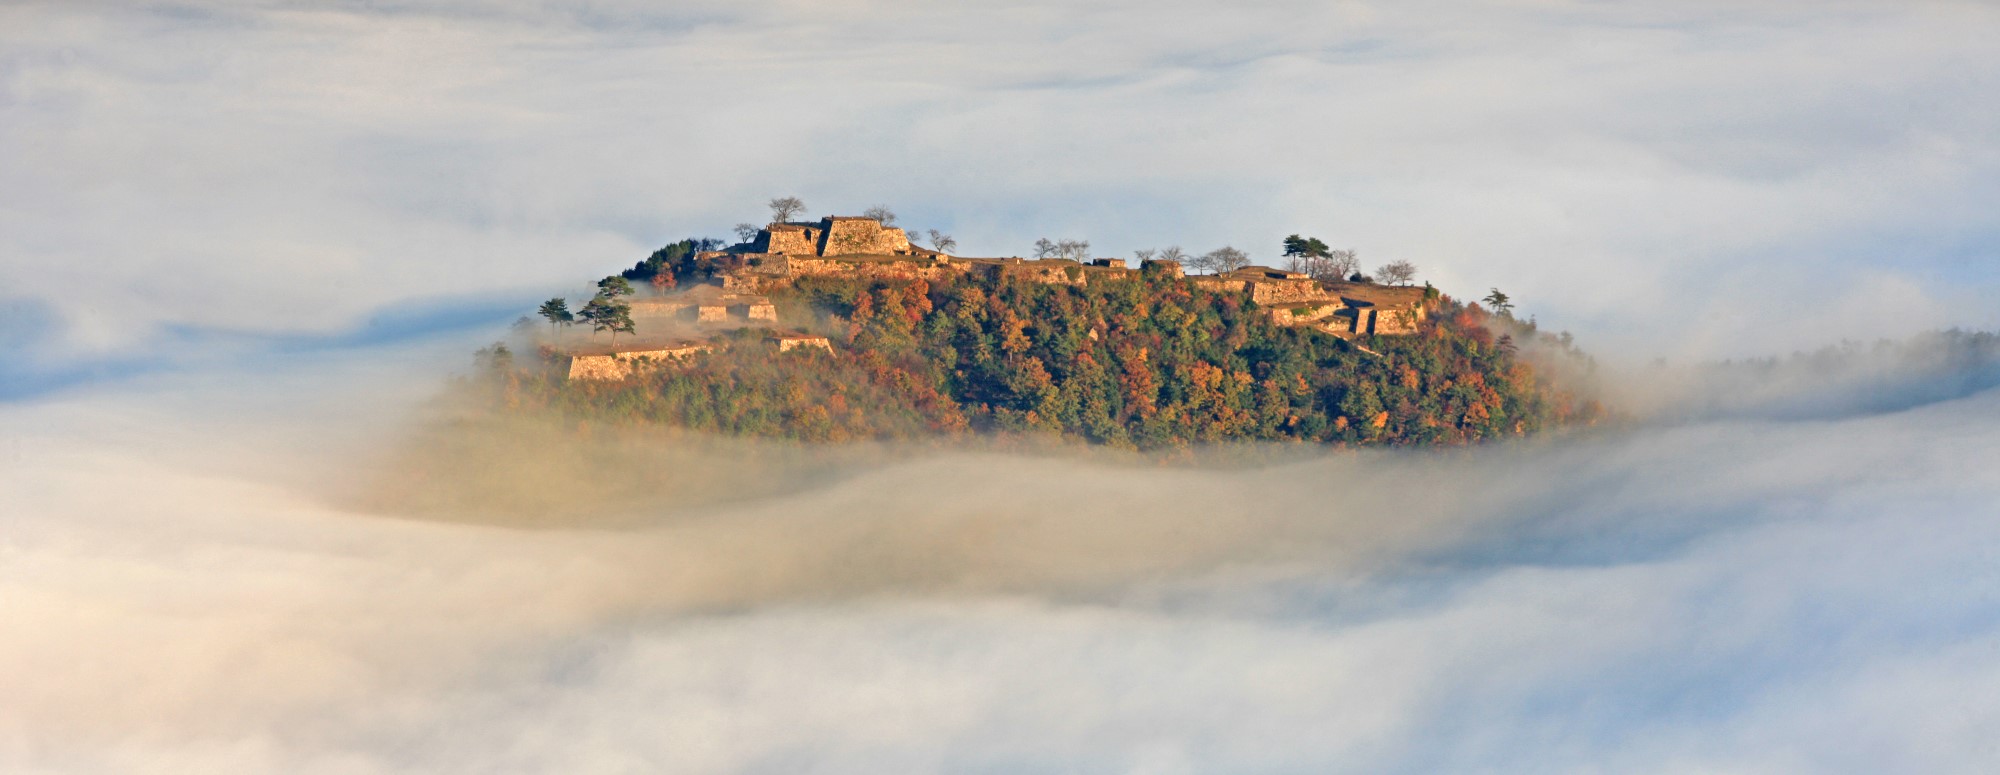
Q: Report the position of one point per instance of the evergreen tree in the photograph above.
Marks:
(557, 312)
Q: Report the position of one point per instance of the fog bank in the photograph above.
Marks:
(192, 583)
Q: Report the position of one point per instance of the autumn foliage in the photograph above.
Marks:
(1148, 362)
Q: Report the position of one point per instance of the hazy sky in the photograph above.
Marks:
(243, 242)
(1685, 178)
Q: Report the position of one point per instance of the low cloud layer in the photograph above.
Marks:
(236, 238)
(191, 587)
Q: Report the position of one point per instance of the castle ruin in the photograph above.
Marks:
(832, 236)
(856, 248)
(864, 249)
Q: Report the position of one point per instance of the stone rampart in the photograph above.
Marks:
(1396, 322)
(1221, 283)
(788, 239)
(757, 310)
(860, 236)
(1305, 313)
(622, 365)
(863, 249)
(870, 268)
(706, 304)
(1047, 272)
(796, 341)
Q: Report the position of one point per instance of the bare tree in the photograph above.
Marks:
(1143, 255)
(1223, 259)
(1339, 264)
(881, 213)
(783, 209)
(1074, 250)
(746, 232)
(942, 242)
(1329, 265)
(1173, 253)
(1396, 273)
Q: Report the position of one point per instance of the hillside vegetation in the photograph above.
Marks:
(1152, 363)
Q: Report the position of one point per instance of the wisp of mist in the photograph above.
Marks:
(199, 579)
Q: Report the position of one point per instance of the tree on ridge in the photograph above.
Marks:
(1396, 273)
(557, 312)
(1074, 250)
(882, 214)
(1305, 247)
(605, 313)
(784, 208)
(1223, 259)
(614, 286)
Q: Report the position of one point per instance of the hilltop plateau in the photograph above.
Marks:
(842, 329)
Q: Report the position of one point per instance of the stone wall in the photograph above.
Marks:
(863, 249)
(1397, 321)
(787, 239)
(789, 343)
(1305, 313)
(908, 269)
(761, 310)
(621, 365)
(1047, 272)
(1267, 286)
(832, 236)
(1364, 320)
(1287, 291)
(860, 236)
(705, 304)
(1221, 283)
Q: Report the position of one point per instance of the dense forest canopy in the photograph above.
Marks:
(1153, 362)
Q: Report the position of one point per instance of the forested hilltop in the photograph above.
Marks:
(790, 335)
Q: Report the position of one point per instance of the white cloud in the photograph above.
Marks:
(189, 588)
(1702, 176)
(1790, 580)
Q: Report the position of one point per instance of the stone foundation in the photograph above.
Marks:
(622, 365)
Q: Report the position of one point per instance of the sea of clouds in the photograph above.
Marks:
(244, 242)
(190, 586)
